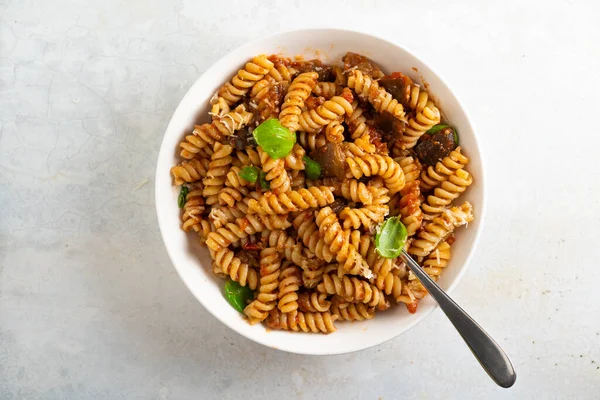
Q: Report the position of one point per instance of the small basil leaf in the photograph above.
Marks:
(275, 139)
(312, 168)
(262, 179)
(437, 128)
(249, 174)
(182, 196)
(237, 295)
(391, 238)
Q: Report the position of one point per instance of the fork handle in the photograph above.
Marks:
(489, 354)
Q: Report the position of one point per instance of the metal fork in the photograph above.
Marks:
(489, 354)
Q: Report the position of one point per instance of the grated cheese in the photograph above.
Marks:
(230, 129)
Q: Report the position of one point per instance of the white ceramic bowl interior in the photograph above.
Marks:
(193, 262)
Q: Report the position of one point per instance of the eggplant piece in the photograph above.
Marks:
(398, 85)
(433, 148)
(325, 71)
(338, 205)
(331, 158)
(251, 258)
(363, 64)
(390, 126)
(242, 139)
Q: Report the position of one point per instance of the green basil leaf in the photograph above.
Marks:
(312, 168)
(262, 179)
(182, 196)
(437, 128)
(391, 238)
(275, 139)
(237, 295)
(249, 174)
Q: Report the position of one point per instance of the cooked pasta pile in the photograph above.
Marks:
(298, 226)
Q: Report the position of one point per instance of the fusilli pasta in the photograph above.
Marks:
(286, 224)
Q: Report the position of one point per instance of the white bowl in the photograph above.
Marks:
(193, 261)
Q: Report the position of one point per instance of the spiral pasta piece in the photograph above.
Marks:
(294, 160)
(269, 103)
(219, 108)
(311, 277)
(357, 123)
(437, 260)
(347, 311)
(327, 89)
(418, 124)
(409, 204)
(311, 141)
(294, 100)
(416, 99)
(313, 121)
(275, 173)
(358, 192)
(409, 208)
(368, 89)
(313, 302)
(261, 89)
(411, 168)
(219, 216)
(440, 228)
(339, 244)
(383, 268)
(334, 132)
(190, 171)
(245, 79)
(361, 147)
(237, 270)
(366, 216)
(266, 300)
(297, 179)
(282, 73)
(193, 210)
(353, 290)
(449, 190)
(218, 168)
(248, 157)
(205, 136)
(432, 177)
(375, 164)
(308, 232)
(302, 321)
(295, 200)
(229, 196)
(248, 225)
(433, 265)
(234, 180)
(291, 250)
(289, 284)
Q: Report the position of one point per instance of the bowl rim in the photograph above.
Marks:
(482, 208)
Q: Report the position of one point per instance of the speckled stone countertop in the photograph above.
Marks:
(90, 306)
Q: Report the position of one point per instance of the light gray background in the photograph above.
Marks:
(90, 306)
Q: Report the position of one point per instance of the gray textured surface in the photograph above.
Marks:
(90, 306)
